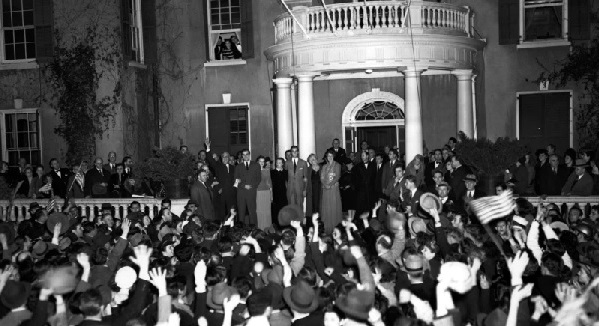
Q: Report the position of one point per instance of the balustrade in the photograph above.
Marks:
(386, 16)
(566, 203)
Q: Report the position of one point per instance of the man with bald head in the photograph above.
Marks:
(97, 180)
(224, 173)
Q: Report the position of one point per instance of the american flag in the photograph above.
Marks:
(490, 208)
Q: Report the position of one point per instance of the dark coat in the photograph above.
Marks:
(202, 195)
(457, 181)
(94, 177)
(429, 170)
(117, 185)
(339, 154)
(551, 183)
(389, 172)
(59, 183)
(582, 187)
(363, 181)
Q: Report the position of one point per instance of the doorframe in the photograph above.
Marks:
(571, 124)
(348, 119)
(214, 106)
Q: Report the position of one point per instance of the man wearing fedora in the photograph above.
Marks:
(457, 177)
(580, 182)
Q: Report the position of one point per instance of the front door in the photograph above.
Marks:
(544, 119)
(377, 137)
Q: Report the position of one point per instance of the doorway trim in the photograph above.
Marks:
(571, 122)
(348, 119)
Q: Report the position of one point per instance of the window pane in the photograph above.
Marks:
(5, 5)
(17, 18)
(8, 121)
(9, 37)
(6, 19)
(235, 3)
(28, 17)
(20, 36)
(22, 122)
(35, 157)
(10, 141)
(33, 140)
(16, 5)
(233, 126)
(243, 126)
(543, 23)
(233, 139)
(30, 35)
(233, 114)
(27, 4)
(243, 139)
(10, 52)
(23, 140)
(224, 3)
(30, 50)
(13, 157)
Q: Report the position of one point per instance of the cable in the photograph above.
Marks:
(295, 19)
(326, 11)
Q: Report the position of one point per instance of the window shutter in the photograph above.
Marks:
(579, 24)
(126, 30)
(148, 20)
(509, 21)
(205, 13)
(44, 38)
(247, 29)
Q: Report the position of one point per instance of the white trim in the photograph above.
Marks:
(140, 32)
(19, 65)
(223, 63)
(527, 44)
(571, 132)
(2, 45)
(246, 104)
(3, 114)
(543, 44)
(348, 118)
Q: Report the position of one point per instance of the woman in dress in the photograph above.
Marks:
(330, 207)
(416, 168)
(264, 195)
(278, 177)
(313, 188)
(29, 186)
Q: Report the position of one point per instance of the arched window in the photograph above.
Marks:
(379, 110)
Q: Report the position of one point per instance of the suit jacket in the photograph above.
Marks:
(578, 187)
(251, 176)
(203, 195)
(59, 184)
(363, 181)
(224, 177)
(457, 181)
(412, 201)
(551, 183)
(540, 171)
(94, 177)
(117, 185)
(429, 170)
(378, 179)
(297, 179)
(76, 190)
(339, 154)
(389, 172)
(394, 191)
(110, 169)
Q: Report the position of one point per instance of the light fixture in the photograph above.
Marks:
(369, 71)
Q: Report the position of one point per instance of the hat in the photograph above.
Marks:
(301, 297)
(580, 163)
(457, 275)
(55, 218)
(290, 213)
(356, 304)
(9, 231)
(15, 294)
(191, 202)
(273, 275)
(39, 249)
(471, 177)
(417, 224)
(413, 263)
(217, 295)
(61, 280)
(34, 206)
(559, 225)
(429, 201)
(125, 277)
(64, 243)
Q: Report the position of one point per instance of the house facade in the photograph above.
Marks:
(266, 75)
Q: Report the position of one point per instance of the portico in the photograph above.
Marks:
(382, 38)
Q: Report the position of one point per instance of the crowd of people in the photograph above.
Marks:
(343, 239)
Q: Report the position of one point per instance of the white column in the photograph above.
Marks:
(413, 120)
(294, 111)
(307, 130)
(284, 120)
(465, 116)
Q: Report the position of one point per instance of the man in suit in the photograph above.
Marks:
(297, 178)
(363, 175)
(97, 181)
(541, 169)
(202, 194)
(117, 181)
(389, 168)
(444, 192)
(338, 151)
(412, 196)
(60, 178)
(76, 183)
(396, 187)
(225, 176)
(438, 178)
(471, 192)
(247, 179)
(431, 167)
(552, 180)
(111, 165)
(580, 183)
(128, 163)
(457, 177)
(378, 176)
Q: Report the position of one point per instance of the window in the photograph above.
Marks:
(379, 110)
(225, 29)
(133, 30)
(228, 127)
(21, 136)
(18, 30)
(544, 20)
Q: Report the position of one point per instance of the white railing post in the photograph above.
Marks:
(415, 15)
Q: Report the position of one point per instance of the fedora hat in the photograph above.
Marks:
(15, 294)
(290, 213)
(34, 206)
(429, 201)
(217, 295)
(580, 163)
(356, 304)
(301, 297)
(471, 177)
(417, 224)
(39, 249)
(55, 218)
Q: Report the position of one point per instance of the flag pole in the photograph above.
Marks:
(495, 240)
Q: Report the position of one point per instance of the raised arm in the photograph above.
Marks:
(299, 257)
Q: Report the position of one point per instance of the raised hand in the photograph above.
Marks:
(229, 304)
(57, 229)
(522, 292)
(565, 293)
(483, 282)
(126, 226)
(200, 271)
(142, 259)
(315, 219)
(296, 224)
(158, 279)
(517, 265)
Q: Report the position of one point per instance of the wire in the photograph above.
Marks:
(326, 11)
(295, 19)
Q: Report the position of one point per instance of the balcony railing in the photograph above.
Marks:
(91, 206)
(375, 17)
(566, 203)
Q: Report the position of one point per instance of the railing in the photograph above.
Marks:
(390, 16)
(91, 206)
(585, 203)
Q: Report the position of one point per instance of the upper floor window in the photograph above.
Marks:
(541, 23)
(230, 34)
(21, 136)
(133, 37)
(18, 30)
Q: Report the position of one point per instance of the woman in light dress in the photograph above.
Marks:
(330, 203)
(264, 195)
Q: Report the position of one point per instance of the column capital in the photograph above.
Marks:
(413, 72)
(283, 81)
(306, 77)
(462, 74)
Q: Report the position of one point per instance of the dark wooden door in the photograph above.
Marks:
(228, 129)
(544, 118)
(378, 137)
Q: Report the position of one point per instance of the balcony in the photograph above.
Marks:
(377, 35)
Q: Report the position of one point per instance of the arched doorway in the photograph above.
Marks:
(376, 117)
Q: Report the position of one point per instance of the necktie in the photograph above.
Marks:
(247, 166)
(294, 166)
(227, 165)
(555, 170)
(470, 194)
(209, 190)
(99, 170)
